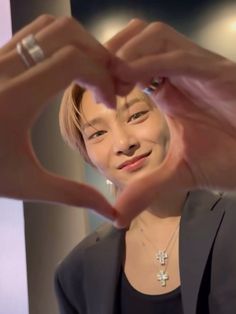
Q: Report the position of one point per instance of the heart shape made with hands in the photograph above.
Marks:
(196, 98)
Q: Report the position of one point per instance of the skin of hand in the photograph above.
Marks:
(198, 98)
(71, 54)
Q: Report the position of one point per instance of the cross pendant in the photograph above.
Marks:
(162, 276)
(161, 256)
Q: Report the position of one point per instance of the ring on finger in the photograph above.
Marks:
(22, 55)
(154, 85)
(32, 47)
(29, 51)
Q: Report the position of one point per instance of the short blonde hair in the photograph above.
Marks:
(70, 119)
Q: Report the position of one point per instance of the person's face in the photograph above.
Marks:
(125, 143)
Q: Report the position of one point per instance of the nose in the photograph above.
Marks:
(124, 142)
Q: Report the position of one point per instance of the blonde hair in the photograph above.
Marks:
(69, 119)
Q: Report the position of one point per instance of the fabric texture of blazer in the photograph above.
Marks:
(86, 280)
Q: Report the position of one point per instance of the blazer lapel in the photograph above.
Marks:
(102, 269)
(200, 221)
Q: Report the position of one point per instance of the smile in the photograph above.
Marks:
(134, 163)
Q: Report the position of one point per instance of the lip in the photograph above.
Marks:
(134, 163)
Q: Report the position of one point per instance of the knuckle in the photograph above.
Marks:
(45, 19)
(157, 27)
(71, 52)
(73, 57)
(65, 22)
(138, 22)
(74, 54)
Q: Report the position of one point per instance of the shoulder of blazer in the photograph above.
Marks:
(228, 201)
(200, 202)
(75, 258)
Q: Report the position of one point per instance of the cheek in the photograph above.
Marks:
(151, 133)
(156, 130)
(98, 155)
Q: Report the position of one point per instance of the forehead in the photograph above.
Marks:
(90, 109)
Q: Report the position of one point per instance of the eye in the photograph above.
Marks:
(137, 115)
(96, 134)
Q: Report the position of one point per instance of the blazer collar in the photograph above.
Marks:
(201, 218)
(102, 271)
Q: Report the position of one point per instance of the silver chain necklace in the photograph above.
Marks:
(162, 256)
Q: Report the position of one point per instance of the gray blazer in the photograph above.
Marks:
(86, 281)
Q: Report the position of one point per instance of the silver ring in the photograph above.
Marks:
(22, 55)
(33, 49)
(155, 84)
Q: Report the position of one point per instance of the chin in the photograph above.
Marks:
(137, 176)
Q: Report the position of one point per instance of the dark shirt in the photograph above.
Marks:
(135, 302)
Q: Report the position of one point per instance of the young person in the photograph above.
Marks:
(174, 257)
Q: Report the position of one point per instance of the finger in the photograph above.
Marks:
(186, 73)
(54, 189)
(122, 87)
(133, 28)
(32, 183)
(10, 62)
(50, 77)
(11, 65)
(172, 64)
(53, 34)
(157, 37)
(67, 31)
(56, 36)
(32, 28)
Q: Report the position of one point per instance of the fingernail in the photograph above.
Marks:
(118, 222)
(117, 225)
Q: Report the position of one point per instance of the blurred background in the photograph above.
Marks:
(35, 237)
(212, 23)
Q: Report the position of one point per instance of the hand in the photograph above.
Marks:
(199, 101)
(71, 54)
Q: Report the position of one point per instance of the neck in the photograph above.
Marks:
(165, 210)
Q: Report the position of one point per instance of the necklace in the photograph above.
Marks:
(162, 256)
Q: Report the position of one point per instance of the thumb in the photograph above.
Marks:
(60, 190)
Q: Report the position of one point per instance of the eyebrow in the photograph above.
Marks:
(130, 103)
(124, 107)
(91, 122)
